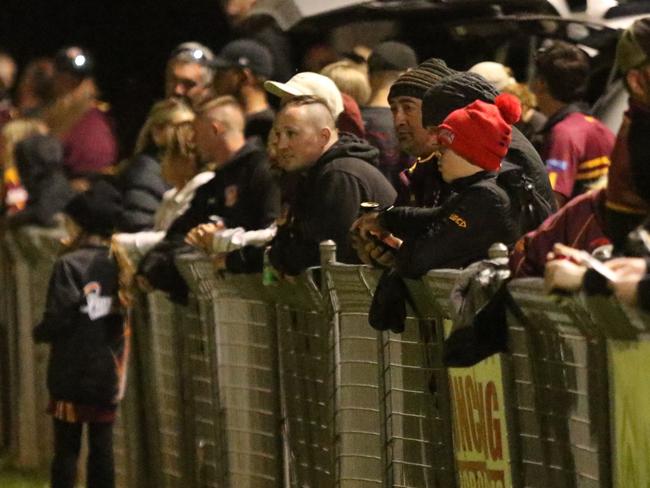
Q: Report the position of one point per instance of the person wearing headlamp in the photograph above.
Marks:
(78, 118)
(189, 73)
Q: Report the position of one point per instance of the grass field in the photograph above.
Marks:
(18, 479)
(13, 478)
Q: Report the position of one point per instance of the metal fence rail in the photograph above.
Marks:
(561, 394)
(167, 436)
(132, 468)
(357, 414)
(32, 252)
(8, 362)
(287, 385)
(233, 364)
(306, 373)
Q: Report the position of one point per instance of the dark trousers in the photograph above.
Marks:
(100, 471)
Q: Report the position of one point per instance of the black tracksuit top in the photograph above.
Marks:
(459, 232)
(84, 328)
(243, 193)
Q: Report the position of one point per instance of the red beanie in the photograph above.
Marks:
(481, 132)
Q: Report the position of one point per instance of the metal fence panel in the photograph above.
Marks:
(131, 432)
(628, 356)
(33, 251)
(215, 386)
(234, 371)
(480, 403)
(246, 349)
(560, 389)
(357, 397)
(164, 385)
(306, 382)
(8, 352)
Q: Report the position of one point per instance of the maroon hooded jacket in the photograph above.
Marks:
(579, 224)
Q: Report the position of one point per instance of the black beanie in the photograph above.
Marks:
(415, 82)
(97, 209)
(453, 92)
(37, 158)
(391, 56)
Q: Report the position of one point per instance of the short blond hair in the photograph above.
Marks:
(226, 110)
(350, 78)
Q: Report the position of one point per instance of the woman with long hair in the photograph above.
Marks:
(141, 179)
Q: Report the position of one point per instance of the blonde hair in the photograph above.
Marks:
(171, 115)
(11, 134)
(15, 131)
(351, 78)
(180, 146)
(524, 94)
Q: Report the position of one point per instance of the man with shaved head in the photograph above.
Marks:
(241, 194)
(335, 175)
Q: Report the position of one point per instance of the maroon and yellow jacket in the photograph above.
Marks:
(579, 224)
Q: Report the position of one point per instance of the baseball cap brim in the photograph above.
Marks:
(220, 62)
(281, 89)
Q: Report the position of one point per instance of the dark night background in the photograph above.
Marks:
(129, 39)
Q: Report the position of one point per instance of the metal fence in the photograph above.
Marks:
(287, 385)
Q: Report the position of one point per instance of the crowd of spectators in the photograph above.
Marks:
(405, 165)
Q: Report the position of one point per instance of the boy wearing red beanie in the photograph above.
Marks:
(474, 139)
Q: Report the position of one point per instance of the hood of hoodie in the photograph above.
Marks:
(38, 157)
(350, 146)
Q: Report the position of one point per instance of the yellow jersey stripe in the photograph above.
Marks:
(592, 174)
(594, 163)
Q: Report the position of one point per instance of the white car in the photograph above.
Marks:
(464, 32)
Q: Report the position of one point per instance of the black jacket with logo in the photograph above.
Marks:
(326, 203)
(83, 325)
(243, 193)
(453, 235)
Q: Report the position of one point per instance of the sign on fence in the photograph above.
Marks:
(480, 429)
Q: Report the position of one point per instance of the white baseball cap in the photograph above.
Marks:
(308, 83)
(495, 73)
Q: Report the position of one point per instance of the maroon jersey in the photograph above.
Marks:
(90, 145)
(577, 153)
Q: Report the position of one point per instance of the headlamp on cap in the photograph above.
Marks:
(192, 51)
(74, 60)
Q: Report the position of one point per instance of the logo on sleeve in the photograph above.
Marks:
(231, 195)
(458, 220)
(557, 164)
(96, 306)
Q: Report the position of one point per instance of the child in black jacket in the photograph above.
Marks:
(474, 140)
(88, 334)
(477, 214)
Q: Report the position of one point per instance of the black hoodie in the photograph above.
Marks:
(39, 160)
(242, 193)
(326, 204)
